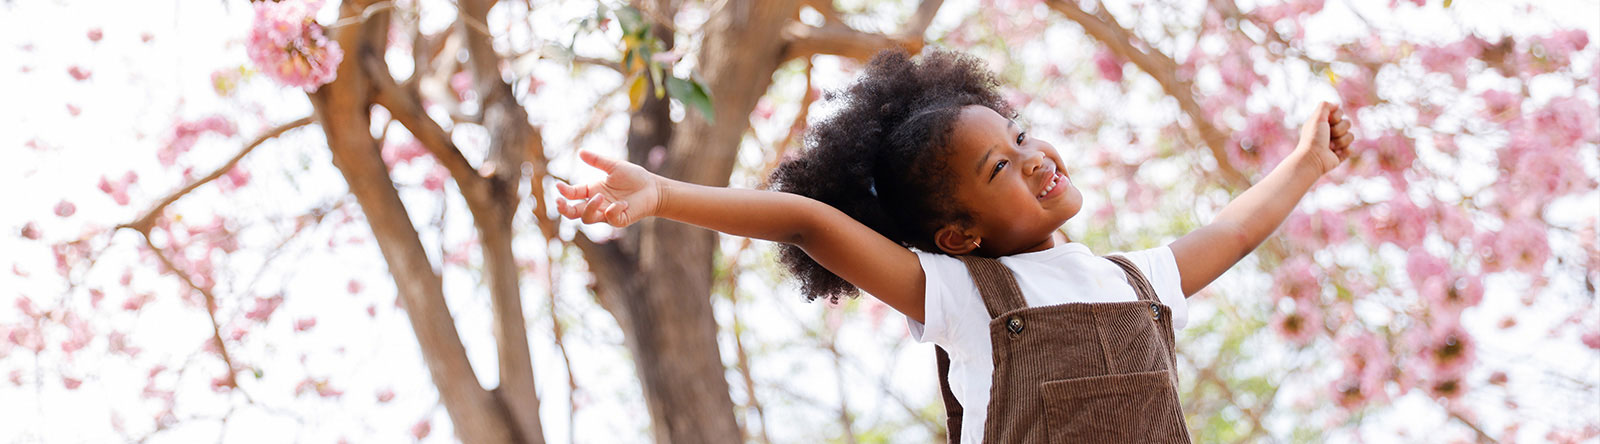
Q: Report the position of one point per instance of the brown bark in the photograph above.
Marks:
(1103, 27)
(342, 108)
(510, 135)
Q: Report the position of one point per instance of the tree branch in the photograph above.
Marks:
(211, 309)
(836, 38)
(1104, 28)
(147, 220)
(407, 109)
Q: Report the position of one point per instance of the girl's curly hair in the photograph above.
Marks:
(882, 157)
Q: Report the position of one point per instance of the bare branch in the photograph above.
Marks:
(144, 222)
(1104, 28)
(211, 310)
(836, 38)
(406, 109)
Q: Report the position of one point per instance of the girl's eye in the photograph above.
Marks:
(997, 167)
(1021, 137)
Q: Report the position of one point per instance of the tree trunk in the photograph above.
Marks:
(343, 109)
(658, 282)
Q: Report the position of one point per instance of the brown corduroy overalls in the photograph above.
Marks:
(1080, 372)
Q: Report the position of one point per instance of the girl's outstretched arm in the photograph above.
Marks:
(1206, 253)
(846, 247)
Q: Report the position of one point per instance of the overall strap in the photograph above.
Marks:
(996, 285)
(998, 289)
(1141, 286)
(952, 407)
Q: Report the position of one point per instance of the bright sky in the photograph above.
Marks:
(127, 106)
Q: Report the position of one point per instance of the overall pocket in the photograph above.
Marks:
(1122, 408)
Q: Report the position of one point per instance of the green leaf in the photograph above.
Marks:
(655, 77)
(693, 95)
(630, 19)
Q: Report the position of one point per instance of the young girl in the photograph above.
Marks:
(922, 192)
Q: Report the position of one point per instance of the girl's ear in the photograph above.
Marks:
(955, 241)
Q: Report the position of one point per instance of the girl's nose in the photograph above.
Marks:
(1035, 162)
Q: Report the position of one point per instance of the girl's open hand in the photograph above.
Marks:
(1326, 137)
(627, 194)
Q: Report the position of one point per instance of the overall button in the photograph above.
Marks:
(1014, 324)
(1155, 312)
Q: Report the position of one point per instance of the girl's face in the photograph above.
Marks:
(1015, 186)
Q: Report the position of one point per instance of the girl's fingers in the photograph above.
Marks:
(1340, 129)
(1336, 116)
(595, 160)
(593, 210)
(617, 214)
(1341, 143)
(578, 192)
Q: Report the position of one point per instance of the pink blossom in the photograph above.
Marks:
(65, 208)
(117, 189)
(421, 429)
(117, 342)
(71, 383)
(78, 73)
(95, 35)
(1367, 368)
(1521, 245)
(146, 37)
(1264, 141)
(1452, 59)
(1300, 326)
(401, 153)
(26, 338)
(79, 334)
(186, 133)
(304, 324)
(1109, 65)
(1558, 46)
(1451, 221)
(461, 83)
(1501, 106)
(1567, 121)
(1444, 347)
(288, 45)
(434, 181)
(1397, 221)
(234, 179)
(73, 110)
(1297, 279)
(30, 231)
(385, 395)
(1356, 92)
(1389, 155)
(263, 308)
(353, 287)
(1591, 339)
(16, 377)
(221, 384)
(136, 302)
(1422, 266)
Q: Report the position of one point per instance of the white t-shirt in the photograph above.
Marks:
(958, 322)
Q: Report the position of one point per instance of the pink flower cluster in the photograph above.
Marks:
(1452, 58)
(1368, 367)
(186, 133)
(1109, 65)
(288, 45)
(1273, 13)
(118, 189)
